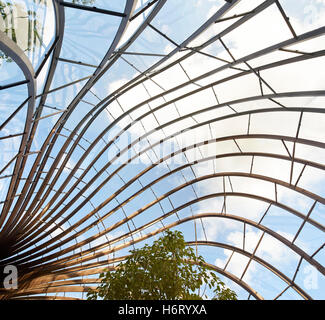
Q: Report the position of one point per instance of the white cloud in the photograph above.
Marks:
(270, 250)
(251, 36)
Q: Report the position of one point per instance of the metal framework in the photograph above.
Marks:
(101, 181)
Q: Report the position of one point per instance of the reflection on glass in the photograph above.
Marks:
(30, 24)
(24, 23)
(10, 72)
(84, 2)
(115, 5)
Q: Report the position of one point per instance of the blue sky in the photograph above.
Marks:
(87, 37)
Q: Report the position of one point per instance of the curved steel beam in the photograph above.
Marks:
(269, 179)
(197, 216)
(58, 38)
(306, 36)
(293, 247)
(305, 192)
(259, 260)
(68, 286)
(56, 280)
(33, 213)
(220, 194)
(129, 7)
(11, 49)
(44, 284)
(303, 37)
(39, 163)
(220, 13)
(306, 110)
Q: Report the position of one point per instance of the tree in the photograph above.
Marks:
(166, 270)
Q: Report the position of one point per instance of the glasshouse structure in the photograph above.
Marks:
(122, 119)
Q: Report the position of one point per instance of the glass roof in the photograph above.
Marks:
(30, 24)
(121, 119)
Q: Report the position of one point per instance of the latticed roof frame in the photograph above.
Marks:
(31, 217)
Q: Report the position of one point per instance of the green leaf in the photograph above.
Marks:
(164, 270)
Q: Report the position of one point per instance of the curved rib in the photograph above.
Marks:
(10, 48)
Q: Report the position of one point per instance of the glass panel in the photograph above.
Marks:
(24, 22)
(10, 71)
(236, 138)
(113, 5)
(87, 35)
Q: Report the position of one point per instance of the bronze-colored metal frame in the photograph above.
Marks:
(44, 229)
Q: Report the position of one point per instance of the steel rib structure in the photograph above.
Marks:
(140, 132)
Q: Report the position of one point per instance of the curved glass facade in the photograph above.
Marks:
(121, 119)
(30, 24)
